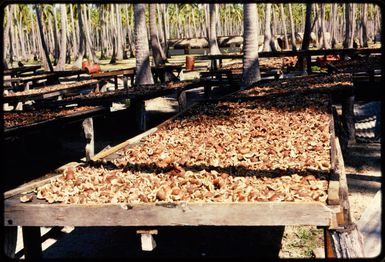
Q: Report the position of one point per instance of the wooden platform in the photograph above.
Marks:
(40, 213)
(50, 91)
(37, 126)
(31, 215)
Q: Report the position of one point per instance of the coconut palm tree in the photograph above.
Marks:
(44, 50)
(63, 38)
(8, 38)
(213, 43)
(251, 71)
(142, 51)
(293, 38)
(157, 51)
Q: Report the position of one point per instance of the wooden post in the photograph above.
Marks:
(147, 240)
(116, 82)
(10, 240)
(139, 110)
(329, 250)
(32, 243)
(308, 62)
(182, 100)
(125, 79)
(348, 117)
(346, 242)
(88, 128)
(207, 91)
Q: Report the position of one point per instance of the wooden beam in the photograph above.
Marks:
(40, 213)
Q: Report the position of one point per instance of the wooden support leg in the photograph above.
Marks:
(182, 100)
(139, 110)
(147, 239)
(88, 128)
(10, 239)
(116, 82)
(207, 91)
(308, 67)
(348, 118)
(32, 243)
(329, 251)
(125, 80)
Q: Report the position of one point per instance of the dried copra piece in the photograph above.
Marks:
(26, 198)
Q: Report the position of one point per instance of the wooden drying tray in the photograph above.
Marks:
(50, 91)
(107, 98)
(339, 90)
(40, 213)
(31, 78)
(125, 73)
(58, 121)
(19, 70)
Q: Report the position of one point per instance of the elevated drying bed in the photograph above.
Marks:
(49, 91)
(303, 84)
(261, 162)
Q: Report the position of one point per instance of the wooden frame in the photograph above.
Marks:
(88, 84)
(125, 73)
(40, 213)
(36, 126)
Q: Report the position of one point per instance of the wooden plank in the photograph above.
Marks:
(167, 214)
(50, 91)
(127, 72)
(334, 184)
(343, 192)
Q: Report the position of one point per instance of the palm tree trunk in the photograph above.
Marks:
(352, 23)
(324, 43)
(63, 40)
(74, 38)
(213, 43)
(293, 38)
(21, 37)
(7, 43)
(302, 65)
(102, 22)
(119, 42)
(155, 46)
(284, 26)
(81, 50)
(165, 27)
(364, 25)
(89, 46)
(114, 34)
(347, 26)
(251, 72)
(46, 60)
(333, 24)
(142, 51)
(55, 34)
(267, 35)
